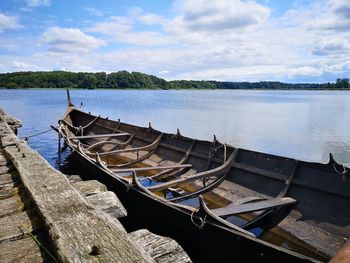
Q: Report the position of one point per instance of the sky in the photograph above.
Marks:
(291, 41)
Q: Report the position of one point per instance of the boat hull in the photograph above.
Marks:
(212, 243)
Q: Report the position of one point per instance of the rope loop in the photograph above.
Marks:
(202, 221)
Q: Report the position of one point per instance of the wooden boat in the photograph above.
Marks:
(215, 199)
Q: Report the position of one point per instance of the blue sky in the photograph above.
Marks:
(231, 40)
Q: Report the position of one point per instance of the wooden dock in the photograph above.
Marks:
(46, 217)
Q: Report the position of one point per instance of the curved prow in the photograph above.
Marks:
(70, 104)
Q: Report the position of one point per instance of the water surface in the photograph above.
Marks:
(306, 125)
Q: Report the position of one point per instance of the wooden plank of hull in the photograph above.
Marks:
(253, 206)
(249, 167)
(180, 227)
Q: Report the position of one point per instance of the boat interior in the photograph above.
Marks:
(254, 191)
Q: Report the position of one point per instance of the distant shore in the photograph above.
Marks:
(174, 89)
(139, 81)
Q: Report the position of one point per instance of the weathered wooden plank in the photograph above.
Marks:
(73, 178)
(107, 202)
(24, 250)
(11, 226)
(90, 187)
(79, 232)
(4, 160)
(161, 249)
(6, 169)
(8, 178)
(11, 121)
(12, 205)
(7, 191)
(254, 206)
(97, 195)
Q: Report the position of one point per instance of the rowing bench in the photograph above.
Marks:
(234, 209)
(150, 168)
(93, 136)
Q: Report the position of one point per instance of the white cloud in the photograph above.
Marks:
(332, 15)
(332, 47)
(35, 3)
(163, 72)
(113, 25)
(223, 40)
(151, 19)
(142, 38)
(20, 65)
(121, 29)
(305, 71)
(200, 15)
(93, 11)
(8, 22)
(341, 7)
(69, 40)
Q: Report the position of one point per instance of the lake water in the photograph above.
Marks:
(306, 125)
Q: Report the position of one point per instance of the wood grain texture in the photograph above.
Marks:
(90, 187)
(161, 249)
(7, 191)
(18, 226)
(9, 178)
(23, 251)
(107, 202)
(74, 178)
(79, 232)
(11, 206)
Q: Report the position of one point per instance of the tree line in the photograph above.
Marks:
(136, 80)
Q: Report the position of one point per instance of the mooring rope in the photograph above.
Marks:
(36, 134)
(202, 221)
